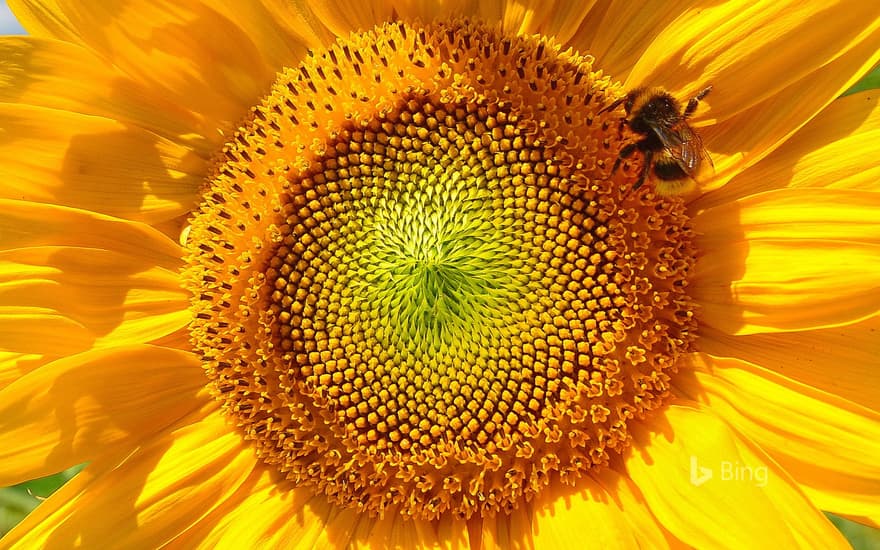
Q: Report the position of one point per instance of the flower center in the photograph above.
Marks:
(417, 285)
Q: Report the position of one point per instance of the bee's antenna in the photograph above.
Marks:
(612, 106)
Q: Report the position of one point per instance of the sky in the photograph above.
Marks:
(8, 24)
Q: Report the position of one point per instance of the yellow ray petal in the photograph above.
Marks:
(282, 31)
(187, 51)
(169, 485)
(272, 514)
(68, 77)
(617, 32)
(95, 164)
(25, 330)
(44, 19)
(265, 513)
(347, 527)
(829, 445)
(307, 528)
(751, 51)
(747, 137)
(100, 402)
(838, 149)
(787, 286)
(119, 299)
(14, 365)
(834, 214)
(429, 10)
(559, 19)
(766, 257)
(343, 17)
(671, 466)
(178, 339)
(297, 20)
(395, 531)
(507, 531)
(453, 532)
(27, 224)
(344, 525)
(841, 361)
(608, 507)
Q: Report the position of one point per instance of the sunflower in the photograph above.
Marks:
(375, 274)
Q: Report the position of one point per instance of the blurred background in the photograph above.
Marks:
(8, 24)
(16, 502)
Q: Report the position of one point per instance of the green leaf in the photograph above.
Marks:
(870, 82)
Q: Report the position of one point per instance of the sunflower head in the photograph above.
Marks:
(416, 282)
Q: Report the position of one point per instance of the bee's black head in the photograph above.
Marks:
(651, 108)
(631, 98)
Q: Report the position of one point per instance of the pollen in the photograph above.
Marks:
(416, 285)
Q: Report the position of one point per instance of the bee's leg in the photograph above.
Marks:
(646, 166)
(626, 152)
(694, 101)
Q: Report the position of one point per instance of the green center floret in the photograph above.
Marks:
(437, 261)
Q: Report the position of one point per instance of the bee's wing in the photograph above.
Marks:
(684, 145)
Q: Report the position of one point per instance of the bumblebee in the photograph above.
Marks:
(673, 153)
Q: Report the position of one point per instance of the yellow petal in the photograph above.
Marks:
(282, 31)
(454, 533)
(562, 18)
(264, 513)
(168, 485)
(608, 506)
(95, 163)
(119, 299)
(301, 519)
(787, 286)
(765, 262)
(509, 531)
(559, 19)
(298, 20)
(747, 137)
(617, 32)
(43, 18)
(343, 17)
(82, 407)
(429, 10)
(187, 51)
(793, 214)
(699, 478)
(346, 525)
(25, 329)
(840, 361)
(270, 513)
(14, 365)
(69, 77)
(838, 149)
(179, 339)
(829, 445)
(395, 531)
(751, 51)
(27, 224)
